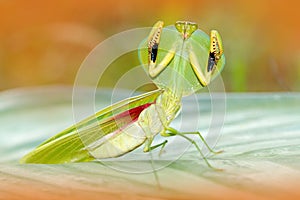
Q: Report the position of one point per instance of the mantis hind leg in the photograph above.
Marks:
(173, 132)
(204, 142)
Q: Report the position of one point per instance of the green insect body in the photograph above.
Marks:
(180, 59)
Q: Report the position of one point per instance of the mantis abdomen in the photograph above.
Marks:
(150, 121)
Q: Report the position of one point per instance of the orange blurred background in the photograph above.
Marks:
(44, 42)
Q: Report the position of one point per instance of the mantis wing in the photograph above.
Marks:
(70, 144)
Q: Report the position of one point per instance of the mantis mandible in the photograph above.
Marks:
(180, 60)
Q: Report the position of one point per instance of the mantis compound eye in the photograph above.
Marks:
(186, 29)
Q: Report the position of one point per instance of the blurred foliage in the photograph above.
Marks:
(44, 42)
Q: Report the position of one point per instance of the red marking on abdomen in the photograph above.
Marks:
(134, 113)
(130, 116)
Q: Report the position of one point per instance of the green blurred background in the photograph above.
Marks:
(45, 42)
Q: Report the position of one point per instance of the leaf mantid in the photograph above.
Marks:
(180, 59)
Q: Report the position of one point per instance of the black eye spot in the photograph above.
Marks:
(154, 50)
(211, 62)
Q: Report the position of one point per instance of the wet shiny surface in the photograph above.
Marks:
(260, 137)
